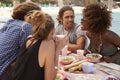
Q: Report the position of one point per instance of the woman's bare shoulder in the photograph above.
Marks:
(46, 51)
(112, 37)
(110, 34)
(47, 48)
(48, 45)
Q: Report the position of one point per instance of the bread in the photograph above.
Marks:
(73, 64)
(78, 67)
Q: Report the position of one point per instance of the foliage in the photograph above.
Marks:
(48, 1)
(6, 1)
(36, 1)
(117, 0)
(22, 1)
(11, 1)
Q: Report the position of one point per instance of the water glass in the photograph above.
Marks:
(80, 54)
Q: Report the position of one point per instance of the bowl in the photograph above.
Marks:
(94, 57)
(67, 59)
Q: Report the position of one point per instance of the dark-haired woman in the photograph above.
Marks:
(97, 21)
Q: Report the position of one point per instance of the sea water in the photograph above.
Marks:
(115, 27)
(116, 22)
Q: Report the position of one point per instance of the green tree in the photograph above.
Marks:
(6, 2)
(22, 1)
(37, 1)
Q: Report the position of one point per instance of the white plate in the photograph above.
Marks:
(94, 57)
(67, 59)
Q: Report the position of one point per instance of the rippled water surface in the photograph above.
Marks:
(115, 19)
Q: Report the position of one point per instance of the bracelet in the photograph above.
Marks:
(56, 68)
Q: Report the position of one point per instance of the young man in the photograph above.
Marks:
(68, 26)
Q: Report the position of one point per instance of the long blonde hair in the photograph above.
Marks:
(42, 24)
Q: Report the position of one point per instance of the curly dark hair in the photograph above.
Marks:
(21, 10)
(62, 10)
(98, 18)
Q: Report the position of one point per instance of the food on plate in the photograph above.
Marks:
(66, 67)
(78, 67)
(59, 76)
(94, 57)
(67, 59)
(73, 54)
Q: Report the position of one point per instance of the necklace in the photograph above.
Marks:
(99, 46)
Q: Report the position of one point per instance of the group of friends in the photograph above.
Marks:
(29, 49)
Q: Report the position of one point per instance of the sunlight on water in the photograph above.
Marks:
(54, 10)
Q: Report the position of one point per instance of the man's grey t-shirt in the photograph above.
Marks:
(73, 34)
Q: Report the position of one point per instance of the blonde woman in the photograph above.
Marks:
(39, 54)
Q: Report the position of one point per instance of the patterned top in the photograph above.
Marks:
(12, 36)
(74, 33)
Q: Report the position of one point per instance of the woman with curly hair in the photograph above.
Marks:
(97, 21)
